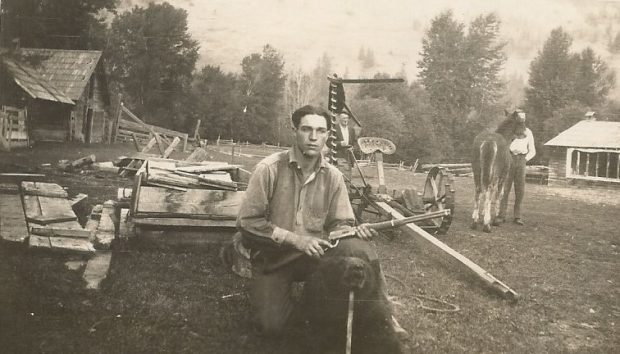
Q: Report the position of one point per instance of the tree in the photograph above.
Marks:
(461, 76)
(551, 77)
(63, 24)
(217, 102)
(593, 79)
(485, 58)
(151, 58)
(262, 82)
(400, 113)
(564, 85)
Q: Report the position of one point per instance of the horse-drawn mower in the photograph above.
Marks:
(438, 193)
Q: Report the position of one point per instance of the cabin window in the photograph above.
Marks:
(595, 164)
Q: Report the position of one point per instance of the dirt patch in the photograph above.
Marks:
(563, 263)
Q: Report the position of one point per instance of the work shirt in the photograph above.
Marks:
(345, 135)
(524, 146)
(278, 202)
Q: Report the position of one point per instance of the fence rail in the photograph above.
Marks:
(13, 128)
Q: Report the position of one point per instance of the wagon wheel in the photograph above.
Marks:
(439, 195)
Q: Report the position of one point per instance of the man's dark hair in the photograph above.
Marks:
(308, 109)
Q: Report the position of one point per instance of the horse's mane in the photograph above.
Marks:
(506, 127)
(509, 127)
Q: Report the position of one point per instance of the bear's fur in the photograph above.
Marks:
(325, 304)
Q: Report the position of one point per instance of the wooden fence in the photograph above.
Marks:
(13, 131)
(129, 127)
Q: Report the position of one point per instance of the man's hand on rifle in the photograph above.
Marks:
(364, 232)
(312, 246)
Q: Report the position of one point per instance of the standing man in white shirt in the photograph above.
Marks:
(346, 139)
(522, 150)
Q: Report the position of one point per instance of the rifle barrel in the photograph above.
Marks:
(400, 222)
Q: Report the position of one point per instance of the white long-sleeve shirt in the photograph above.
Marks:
(524, 146)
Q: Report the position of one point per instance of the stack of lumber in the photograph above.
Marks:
(42, 214)
(194, 201)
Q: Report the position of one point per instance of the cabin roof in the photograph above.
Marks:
(589, 134)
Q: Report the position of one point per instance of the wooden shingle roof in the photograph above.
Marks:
(32, 82)
(589, 134)
(67, 70)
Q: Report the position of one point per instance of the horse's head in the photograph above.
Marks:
(513, 125)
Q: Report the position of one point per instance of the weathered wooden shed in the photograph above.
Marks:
(588, 153)
(62, 93)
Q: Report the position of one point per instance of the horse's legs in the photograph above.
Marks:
(487, 209)
(497, 220)
(475, 216)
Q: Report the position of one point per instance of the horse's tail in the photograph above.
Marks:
(488, 153)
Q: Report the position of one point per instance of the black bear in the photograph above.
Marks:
(325, 304)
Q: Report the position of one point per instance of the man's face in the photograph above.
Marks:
(344, 120)
(311, 134)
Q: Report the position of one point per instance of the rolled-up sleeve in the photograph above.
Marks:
(253, 215)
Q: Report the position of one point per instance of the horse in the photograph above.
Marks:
(491, 163)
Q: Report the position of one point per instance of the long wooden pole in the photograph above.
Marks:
(419, 234)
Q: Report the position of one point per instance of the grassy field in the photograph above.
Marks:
(564, 262)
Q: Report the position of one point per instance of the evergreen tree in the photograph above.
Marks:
(262, 84)
(151, 58)
(217, 102)
(551, 77)
(461, 76)
(593, 79)
(563, 85)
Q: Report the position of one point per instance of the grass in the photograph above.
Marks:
(563, 262)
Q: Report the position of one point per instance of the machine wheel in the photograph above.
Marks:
(439, 195)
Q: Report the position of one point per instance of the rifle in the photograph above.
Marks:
(335, 236)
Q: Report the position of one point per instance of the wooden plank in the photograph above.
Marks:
(13, 225)
(196, 134)
(106, 222)
(97, 269)
(420, 235)
(200, 203)
(171, 147)
(43, 189)
(40, 242)
(162, 185)
(46, 210)
(185, 222)
(135, 142)
(71, 245)
(61, 232)
(210, 181)
(125, 225)
(219, 166)
(160, 143)
(77, 199)
(199, 154)
(9, 188)
(147, 128)
(150, 145)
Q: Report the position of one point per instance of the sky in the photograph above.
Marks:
(303, 30)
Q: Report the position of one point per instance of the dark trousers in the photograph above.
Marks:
(271, 293)
(516, 177)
